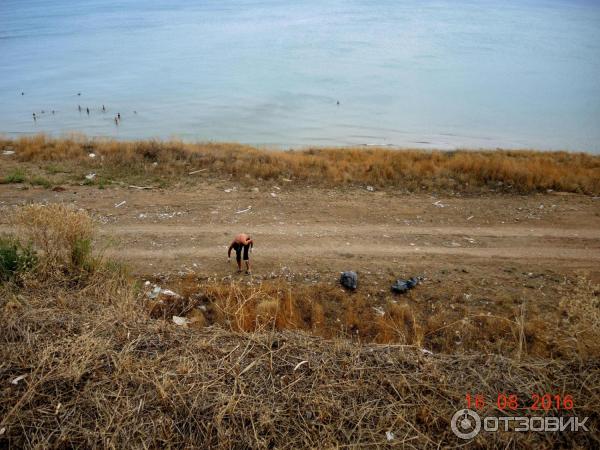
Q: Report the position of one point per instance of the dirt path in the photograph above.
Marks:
(307, 229)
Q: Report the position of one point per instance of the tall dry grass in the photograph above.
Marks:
(571, 329)
(469, 171)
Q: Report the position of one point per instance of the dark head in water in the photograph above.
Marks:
(119, 116)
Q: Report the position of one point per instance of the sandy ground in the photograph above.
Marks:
(319, 232)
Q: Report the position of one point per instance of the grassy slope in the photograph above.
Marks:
(413, 170)
(101, 372)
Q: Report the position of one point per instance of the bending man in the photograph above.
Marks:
(241, 242)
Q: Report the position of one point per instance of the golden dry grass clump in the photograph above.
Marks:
(467, 171)
(85, 364)
(62, 233)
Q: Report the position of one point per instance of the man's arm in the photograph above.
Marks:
(229, 249)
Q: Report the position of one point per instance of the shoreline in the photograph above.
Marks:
(269, 146)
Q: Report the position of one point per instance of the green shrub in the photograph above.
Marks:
(81, 255)
(40, 181)
(15, 258)
(16, 176)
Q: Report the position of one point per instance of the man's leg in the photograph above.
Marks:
(246, 257)
(238, 257)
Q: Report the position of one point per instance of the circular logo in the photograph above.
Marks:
(465, 423)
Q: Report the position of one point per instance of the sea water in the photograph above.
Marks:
(414, 73)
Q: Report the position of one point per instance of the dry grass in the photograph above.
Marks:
(100, 370)
(569, 329)
(167, 162)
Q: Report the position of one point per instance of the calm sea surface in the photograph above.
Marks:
(419, 73)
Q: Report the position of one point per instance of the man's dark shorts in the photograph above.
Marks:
(238, 251)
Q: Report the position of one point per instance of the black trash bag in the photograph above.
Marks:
(349, 280)
(402, 286)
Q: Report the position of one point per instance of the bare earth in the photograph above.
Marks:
(318, 232)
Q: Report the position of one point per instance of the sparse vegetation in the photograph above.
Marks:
(41, 181)
(15, 258)
(414, 170)
(92, 362)
(16, 176)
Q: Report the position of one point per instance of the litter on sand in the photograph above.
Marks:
(401, 286)
(273, 194)
(438, 204)
(92, 155)
(90, 176)
(118, 205)
(197, 171)
(370, 188)
(8, 152)
(244, 210)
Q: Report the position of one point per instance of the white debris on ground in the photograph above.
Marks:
(370, 188)
(244, 210)
(273, 194)
(118, 205)
(169, 215)
(161, 215)
(92, 155)
(439, 204)
(90, 176)
(17, 379)
(181, 321)
(426, 352)
(8, 152)
(157, 290)
(389, 436)
(379, 310)
(230, 189)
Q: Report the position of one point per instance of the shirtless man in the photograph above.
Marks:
(241, 242)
